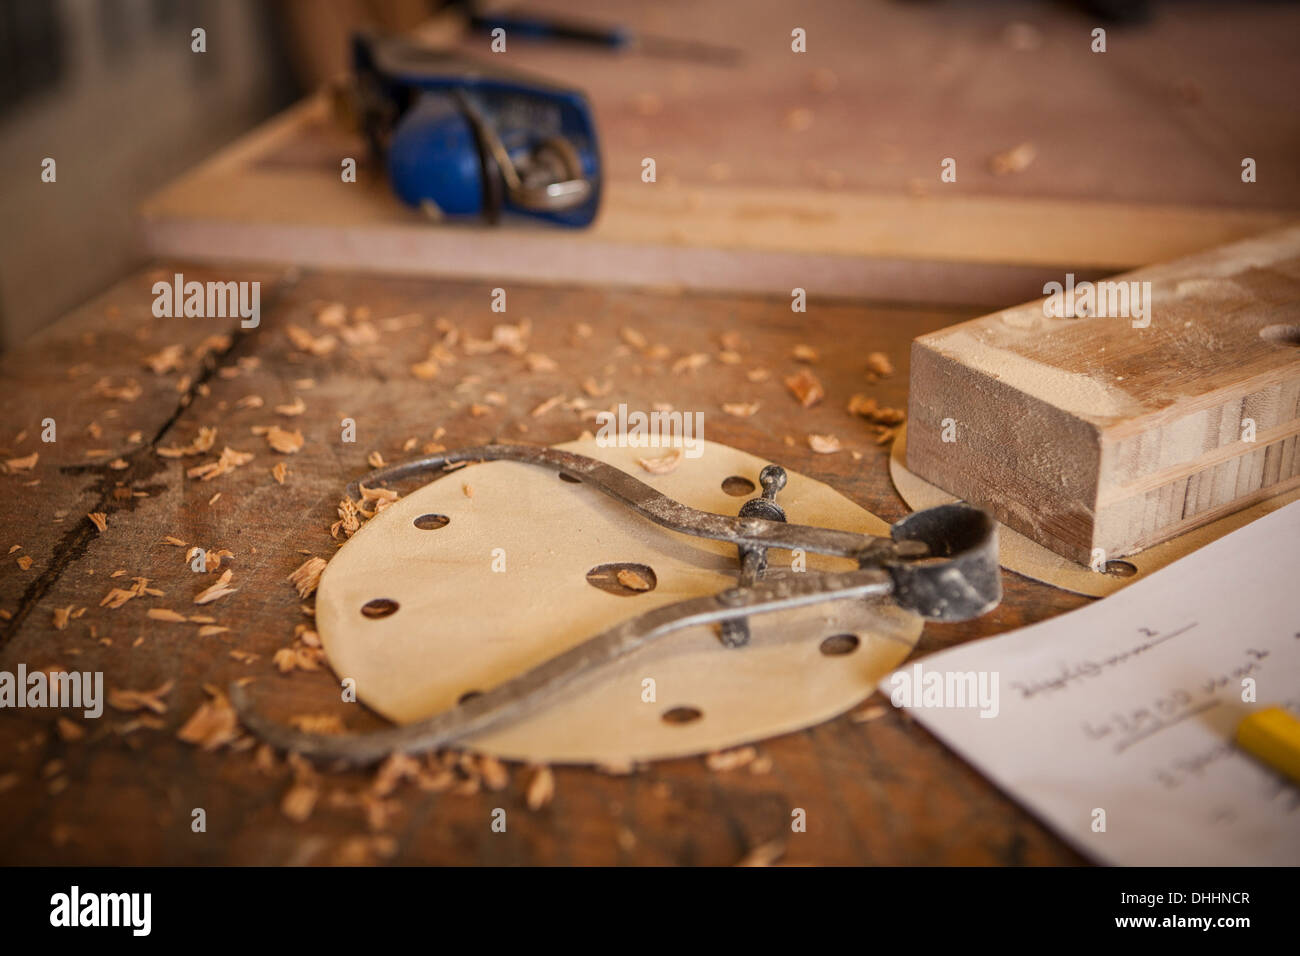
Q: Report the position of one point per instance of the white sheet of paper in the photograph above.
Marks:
(1129, 706)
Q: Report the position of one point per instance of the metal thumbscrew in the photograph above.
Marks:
(753, 560)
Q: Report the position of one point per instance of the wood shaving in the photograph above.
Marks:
(824, 444)
(874, 712)
(69, 730)
(119, 464)
(211, 559)
(805, 353)
(204, 441)
(212, 725)
(168, 359)
(758, 375)
(541, 789)
(632, 580)
(494, 772)
(764, 855)
(129, 391)
(805, 387)
(546, 406)
(164, 614)
(664, 463)
(26, 463)
(690, 363)
(212, 630)
(867, 408)
(296, 408)
(318, 723)
(375, 460)
(741, 409)
(151, 700)
(878, 364)
(425, 371)
(250, 401)
(306, 577)
(229, 460)
(1015, 160)
(537, 362)
(396, 769)
(349, 519)
(25, 562)
(724, 760)
(173, 540)
(216, 591)
(284, 441)
(332, 315)
(279, 471)
(299, 801)
(61, 617)
(118, 596)
(366, 850)
(304, 341)
(633, 338)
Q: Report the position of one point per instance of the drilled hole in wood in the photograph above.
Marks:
(624, 578)
(838, 644)
(737, 487)
(570, 479)
(431, 522)
(1121, 569)
(681, 715)
(1281, 334)
(379, 607)
(468, 696)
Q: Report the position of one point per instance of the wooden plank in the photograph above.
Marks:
(1123, 427)
(828, 175)
(882, 791)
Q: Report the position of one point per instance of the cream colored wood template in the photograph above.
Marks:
(1018, 553)
(461, 626)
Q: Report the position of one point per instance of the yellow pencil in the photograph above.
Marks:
(1273, 736)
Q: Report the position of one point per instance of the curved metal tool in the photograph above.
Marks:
(941, 563)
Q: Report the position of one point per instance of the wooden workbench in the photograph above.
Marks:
(817, 170)
(875, 791)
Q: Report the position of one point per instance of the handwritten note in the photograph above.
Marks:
(1114, 723)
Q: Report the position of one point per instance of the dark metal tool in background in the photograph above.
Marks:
(941, 563)
(546, 27)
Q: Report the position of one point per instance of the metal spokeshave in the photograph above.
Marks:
(941, 563)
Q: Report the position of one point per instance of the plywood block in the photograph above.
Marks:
(1118, 431)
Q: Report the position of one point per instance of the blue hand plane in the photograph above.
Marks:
(467, 140)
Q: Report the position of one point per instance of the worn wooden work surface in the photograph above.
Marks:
(875, 791)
